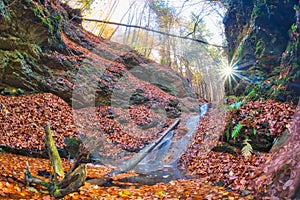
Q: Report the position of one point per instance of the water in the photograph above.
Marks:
(203, 109)
(161, 162)
(160, 165)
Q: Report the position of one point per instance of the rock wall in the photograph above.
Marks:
(43, 48)
(263, 38)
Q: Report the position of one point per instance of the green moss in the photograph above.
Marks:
(4, 11)
(52, 21)
(259, 49)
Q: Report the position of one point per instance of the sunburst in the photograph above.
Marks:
(233, 72)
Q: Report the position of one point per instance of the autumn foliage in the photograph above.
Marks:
(216, 174)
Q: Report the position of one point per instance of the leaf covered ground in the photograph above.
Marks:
(215, 175)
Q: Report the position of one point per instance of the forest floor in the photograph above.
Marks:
(216, 175)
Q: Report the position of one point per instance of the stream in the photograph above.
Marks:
(161, 164)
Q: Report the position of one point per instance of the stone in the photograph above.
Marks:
(43, 50)
(260, 38)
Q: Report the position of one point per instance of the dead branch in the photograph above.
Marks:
(152, 30)
(73, 180)
(53, 152)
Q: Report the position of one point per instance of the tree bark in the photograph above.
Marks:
(53, 152)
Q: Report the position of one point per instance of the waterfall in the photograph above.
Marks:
(165, 156)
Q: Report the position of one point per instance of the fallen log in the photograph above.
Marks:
(130, 164)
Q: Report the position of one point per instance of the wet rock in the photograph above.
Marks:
(163, 78)
(138, 97)
(173, 113)
(268, 48)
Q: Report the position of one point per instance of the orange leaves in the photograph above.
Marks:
(267, 117)
(12, 184)
(141, 114)
(22, 120)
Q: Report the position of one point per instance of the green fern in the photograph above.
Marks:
(247, 149)
(250, 95)
(254, 131)
(236, 130)
(236, 105)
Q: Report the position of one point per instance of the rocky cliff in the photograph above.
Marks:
(263, 38)
(43, 48)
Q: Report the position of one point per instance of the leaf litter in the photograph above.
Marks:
(215, 175)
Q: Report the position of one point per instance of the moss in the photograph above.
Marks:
(52, 21)
(259, 49)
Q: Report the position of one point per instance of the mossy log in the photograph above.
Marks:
(53, 152)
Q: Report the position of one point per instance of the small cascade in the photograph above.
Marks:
(203, 109)
(161, 164)
(152, 161)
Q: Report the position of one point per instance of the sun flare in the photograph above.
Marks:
(233, 72)
(227, 70)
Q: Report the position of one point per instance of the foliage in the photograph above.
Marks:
(86, 4)
(254, 131)
(236, 130)
(247, 149)
(250, 96)
(51, 20)
(239, 101)
(259, 49)
(236, 105)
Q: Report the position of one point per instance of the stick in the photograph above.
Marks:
(155, 31)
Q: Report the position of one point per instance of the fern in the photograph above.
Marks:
(236, 105)
(236, 130)
(247, 149)
(250, 95)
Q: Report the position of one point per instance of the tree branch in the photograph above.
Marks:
(152, 30)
